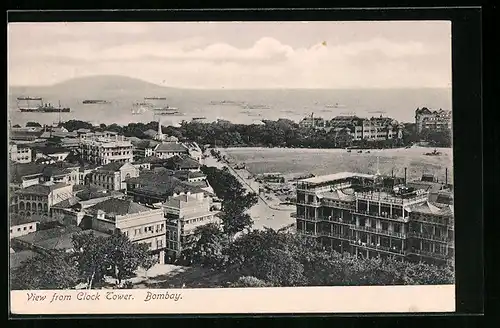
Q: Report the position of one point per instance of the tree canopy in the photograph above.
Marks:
(45, 271)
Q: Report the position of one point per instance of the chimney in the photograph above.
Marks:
(405, 175)
(446, 176)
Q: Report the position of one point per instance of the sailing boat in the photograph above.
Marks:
(139, 108)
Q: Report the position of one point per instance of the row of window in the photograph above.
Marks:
(23, 229)
(29, 206)
(147, 230)
(32, 197)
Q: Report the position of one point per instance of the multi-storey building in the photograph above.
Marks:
(139, 223)
(20, 153)
(112, 176)
(21, 225)
(184, 213)
(372, 129)
(370, 215)
(431, 233)
(437, 120)
(105, 148)
(170, 149)
(38, 199)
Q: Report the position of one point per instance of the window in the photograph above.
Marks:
(18, 229)
(31, 227)
(10, 230)
(24, 228)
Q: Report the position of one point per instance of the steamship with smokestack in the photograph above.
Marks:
(37, 105)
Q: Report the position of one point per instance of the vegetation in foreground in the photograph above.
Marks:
(280, 133)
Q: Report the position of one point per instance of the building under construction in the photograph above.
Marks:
(378, 216)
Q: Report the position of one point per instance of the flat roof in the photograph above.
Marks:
(337, 176)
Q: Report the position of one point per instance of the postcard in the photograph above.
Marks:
(230, 167)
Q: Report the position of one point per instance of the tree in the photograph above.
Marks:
(208, 249)
(45, 271)
(16, 126)
(124, 257)
(234, 222)
(33, 125)
(249, 281)
(91, 257)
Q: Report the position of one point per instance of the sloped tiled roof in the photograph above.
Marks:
(433, 208)
(43, 190)
(16, 219)
(118, 207)
(171, 147)
(112, 167)
(182, 161)
(337, 195)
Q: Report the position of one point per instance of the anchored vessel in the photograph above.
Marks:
(155, 98)
(92, 101)
(167, 110)
(25, 106)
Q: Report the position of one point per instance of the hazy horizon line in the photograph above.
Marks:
(222, 88)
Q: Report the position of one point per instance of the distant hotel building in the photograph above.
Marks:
(105, 148)
(372, 215)
(372, 129)
(437, 120)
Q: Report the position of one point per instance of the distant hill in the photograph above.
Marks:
(94, 87)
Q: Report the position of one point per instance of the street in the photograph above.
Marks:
(263, 215)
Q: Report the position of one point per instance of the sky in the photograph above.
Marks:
(235, 55)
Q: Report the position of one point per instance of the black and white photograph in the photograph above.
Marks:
(168, 157)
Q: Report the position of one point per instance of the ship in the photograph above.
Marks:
(41, 107)
(29, 98)
(155, 98)
(256, 107)
(337, 105)
(93, 101)
(167, 110)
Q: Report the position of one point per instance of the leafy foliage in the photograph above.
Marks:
(236, 200)
(249, 281)
(208, 249)
(285, 259)
(116, 256)
(45, 271)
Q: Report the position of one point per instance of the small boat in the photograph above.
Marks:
(433, 153)
(360, 151)
(337, 105)
(93, 102)
(367, 151)
(167, 110)
(155, 98)
(348, 150)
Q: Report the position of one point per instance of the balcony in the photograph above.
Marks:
(428, 236)
(334, 235)
(304, 203)
(308, 218)
(337, 220)
(381, 216)
(380, 231)
(329, 203)
(430, 254)
(379, 248)
(308, 233)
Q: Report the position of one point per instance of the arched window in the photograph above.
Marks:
(45, 207)
(21, 206)
(128, 175)
(40, 207)
(28, 206)
(33, 206)
(28, 214)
